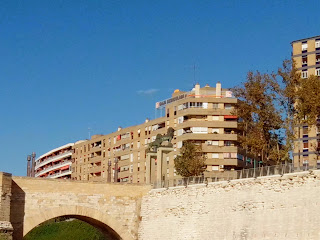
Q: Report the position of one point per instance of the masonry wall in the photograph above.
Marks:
(35, 200)
(280, 207)
(5, 197)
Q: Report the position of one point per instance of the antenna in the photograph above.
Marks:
(194, 73)
(194, 68)
(89, 132)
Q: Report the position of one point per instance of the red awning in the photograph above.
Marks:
(64, 168)
(230, 117)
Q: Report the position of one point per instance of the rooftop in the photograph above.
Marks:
(304, 39)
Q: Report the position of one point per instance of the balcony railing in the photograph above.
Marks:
(237, 174)
(60, 174)
(52, 167)
(50, 159)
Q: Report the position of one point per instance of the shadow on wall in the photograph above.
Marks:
(17, 207)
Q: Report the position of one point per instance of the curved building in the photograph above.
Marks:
(55, 163)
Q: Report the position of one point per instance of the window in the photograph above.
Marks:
(195, 104)
(305, 145)
(304, 74)
(205, 105)
(180, 120)
(213, 143)
(215, 155)
(305, 130)
(318, 58)
(304, 60)
(199, 129)
(227, 106)
(215, 130)
(215, 118)
(229, 155)
(318, 72)
(317, 43)
(304, 46)
(215, 168)
(215, 105)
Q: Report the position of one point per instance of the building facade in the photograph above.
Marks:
(203, 115)
(306, 54)
(55, 163)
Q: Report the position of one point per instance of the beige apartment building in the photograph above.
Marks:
(306, 54)
(203, 115)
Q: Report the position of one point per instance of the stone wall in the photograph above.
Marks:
(277, 207)
(5, 197)
(111, 207)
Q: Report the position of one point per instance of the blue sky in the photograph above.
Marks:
(66, 66)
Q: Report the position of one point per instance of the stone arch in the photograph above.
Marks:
(98, 219)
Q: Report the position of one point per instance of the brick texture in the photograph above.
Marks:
(278, 207)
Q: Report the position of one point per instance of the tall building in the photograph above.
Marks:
(55, 163)
(306, 54)
(203, 115)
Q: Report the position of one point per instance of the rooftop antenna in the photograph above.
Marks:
(89, 132)
(194, 73)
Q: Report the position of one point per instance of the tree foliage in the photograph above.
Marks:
(260, 119)
(75, 229)
(271, 106)
(190, 161)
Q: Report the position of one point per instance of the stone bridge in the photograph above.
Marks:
(26, 202)
(275, 207)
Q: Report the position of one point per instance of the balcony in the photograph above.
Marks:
(61, 174)
(219, 149)
(203, 111)
(225, 161)
(95, 159)
(207, 136)
(206, 123)
(51, 159)
(95, 169)
(56, 166)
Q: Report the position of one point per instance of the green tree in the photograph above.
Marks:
(190, 161)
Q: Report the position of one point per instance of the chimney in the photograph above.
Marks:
(218, 90)
(28, 165)
(33, 165)
(197, 90)
(147, 120)
(119, 128)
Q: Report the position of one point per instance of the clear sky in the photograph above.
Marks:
(66, 66)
